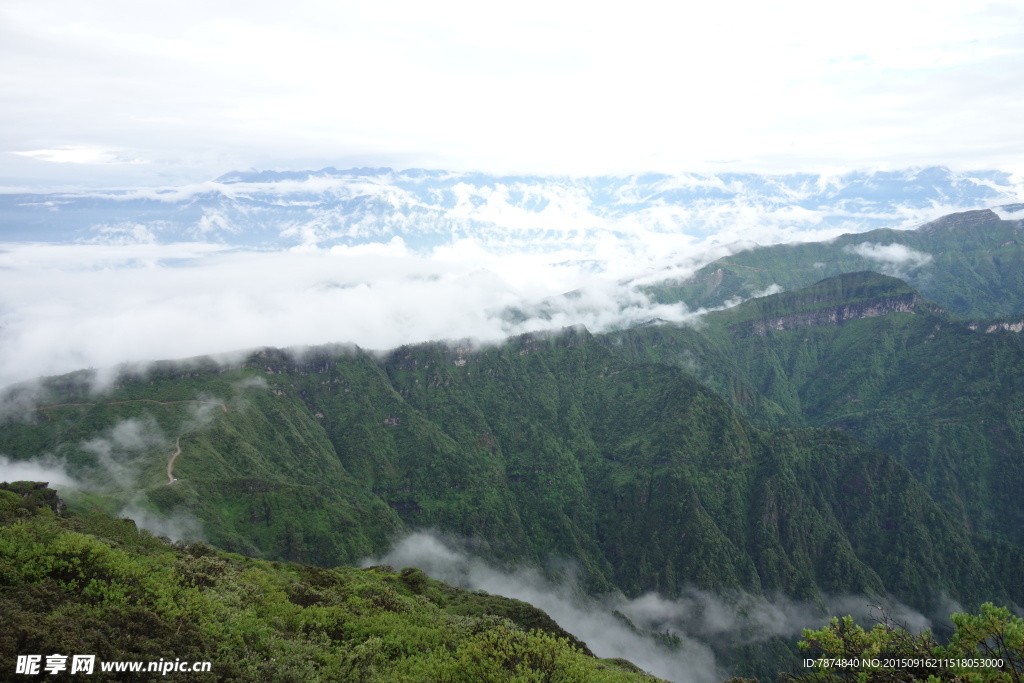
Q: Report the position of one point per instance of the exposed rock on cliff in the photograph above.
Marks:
(832, 301)
(833, 315)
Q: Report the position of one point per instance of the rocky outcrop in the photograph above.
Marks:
(1003, 326)
(35, 494)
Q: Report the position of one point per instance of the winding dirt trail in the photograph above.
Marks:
(170, 461)
(177, 442)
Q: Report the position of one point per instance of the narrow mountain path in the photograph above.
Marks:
(739, 265)
(170, 461)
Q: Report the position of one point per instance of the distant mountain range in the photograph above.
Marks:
(427, 208)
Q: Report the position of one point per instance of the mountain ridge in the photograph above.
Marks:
(941, 394)
(832, 301)
(970, 263)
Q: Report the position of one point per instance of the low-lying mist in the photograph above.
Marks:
(697, 618)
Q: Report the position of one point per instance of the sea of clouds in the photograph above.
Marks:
(72, 306)
(381, 258)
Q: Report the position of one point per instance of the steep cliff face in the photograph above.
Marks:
(941, 394)
(832, 301)
(832, 315)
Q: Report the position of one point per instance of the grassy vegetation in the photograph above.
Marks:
(91, 584)
(988, 646)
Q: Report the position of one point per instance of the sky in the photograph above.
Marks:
(113, 92)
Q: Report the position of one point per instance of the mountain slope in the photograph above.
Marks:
(943, 395)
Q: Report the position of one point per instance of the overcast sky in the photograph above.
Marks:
(119, 92)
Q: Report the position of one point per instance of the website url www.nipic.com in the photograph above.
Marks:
(86, 664)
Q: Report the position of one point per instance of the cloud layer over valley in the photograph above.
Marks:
(118, 464)
(65, 308)
(381, 258)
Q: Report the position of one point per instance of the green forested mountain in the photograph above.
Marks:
(540, 449)
(970, 263)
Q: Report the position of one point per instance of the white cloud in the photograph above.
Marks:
(587, 619)
(123, 234)
(896, 259)
(212, 221)
(417, 266)
(566, 209)
(47, 468)
(115, 463)
(254, 382)
(773, 288)
(123, 461)
(68, 307)
(79, 155)
(1009, 215)
(178, 526)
